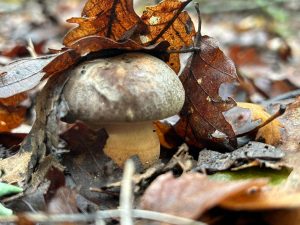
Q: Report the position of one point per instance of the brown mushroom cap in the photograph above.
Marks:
(131, 87)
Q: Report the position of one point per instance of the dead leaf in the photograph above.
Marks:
(87, 161)
(13, 100)
(15, 167)
(271, 133)
(167, 22)
(63, 202)
(22, 75)
(166, 134)
(105, 18)
(202, 114)
(11, 117)
(191, 194)
(209, 160)
(263, 200)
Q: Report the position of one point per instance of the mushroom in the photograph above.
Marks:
(124, 94)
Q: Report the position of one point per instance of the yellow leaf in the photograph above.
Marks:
(271, 133)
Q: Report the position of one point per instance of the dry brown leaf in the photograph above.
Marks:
(271, 133)
(202, 115)
(15, 167)
(263, 200)
(191, 194)
(167, 22)
(11, 117)
(113, 19)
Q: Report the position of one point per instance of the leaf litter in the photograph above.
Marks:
(197, 126)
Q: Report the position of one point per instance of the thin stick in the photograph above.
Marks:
(126, 196)
(105, 214)
(31, 49)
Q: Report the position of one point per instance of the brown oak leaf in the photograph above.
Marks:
(191, 194)
(114, 19)
(202, 115)
(166, 21)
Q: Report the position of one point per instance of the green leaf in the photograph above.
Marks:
(5, 211)
(6, 189)
(276, 176)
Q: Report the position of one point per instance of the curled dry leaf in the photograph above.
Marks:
(202, 114)
(191, 194)
(167, 22)
(271, 133)
(114, 19)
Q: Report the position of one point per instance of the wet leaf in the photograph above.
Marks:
(105, 18)
(191, 194)
(167, 22)
(271, 133)
(202, 114)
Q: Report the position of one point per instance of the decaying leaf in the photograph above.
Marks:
(202, 114)
(215, 161)
(271, 133)
(191, 194)
(167, 22)
(114, 19)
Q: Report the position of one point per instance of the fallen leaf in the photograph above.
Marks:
(258, 153)
(22, 75)
(87, 161)
(11, 117)
(263, 200)
(202, 114)
(191, 194)
(63, 202)
(167, 22)
(271, 133)
(275, 177)
(15, 167)
(13, 100)
(104, 18)
(166, 134)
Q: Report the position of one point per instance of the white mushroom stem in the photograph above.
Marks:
(128, 139)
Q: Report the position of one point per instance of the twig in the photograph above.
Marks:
(280, 111)
(31, 49)
(126, 196)
(105, 214)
